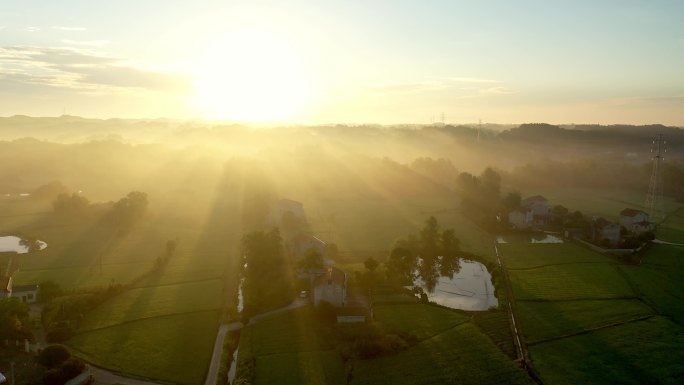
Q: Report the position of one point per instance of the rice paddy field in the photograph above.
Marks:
(294, 348)
(587, 318)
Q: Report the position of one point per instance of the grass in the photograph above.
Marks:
(155, 301)
(496, 325)
(312, 367)
(293, 347)
(423, 321)
(370, 225)
(544, 320)
(528, 255)
(288, 332)
(599, 202)
(176, 348)
(672, 230)
(569, 282)
(461, 355)
(642, 352)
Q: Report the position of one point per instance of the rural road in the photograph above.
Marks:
(215, 364)
(667, 243)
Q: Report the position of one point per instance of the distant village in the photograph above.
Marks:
(630, 232)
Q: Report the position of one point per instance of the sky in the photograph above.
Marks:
(330, 61)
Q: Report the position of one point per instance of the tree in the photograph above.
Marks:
(401, 266)
(311, 260)
(511, 200)
(53, 355)
(48, 290)
(129, 209)
(49, 191)
(71, 206)
(371, 264)
(14, 321)
(268, 283)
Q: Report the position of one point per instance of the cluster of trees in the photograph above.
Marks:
(481, 196)
(60, 365)
(124, 213)
(14, 320)
(268, 282)
(371, 340)
(430, 254)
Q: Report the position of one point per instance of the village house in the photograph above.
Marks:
(302, 243)
(533, 211)
(636, 221)
(330, 287)
(284, 206)
(26, 293)
(604, 231)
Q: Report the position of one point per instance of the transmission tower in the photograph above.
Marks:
(654, 198)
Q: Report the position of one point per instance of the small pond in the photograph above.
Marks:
(12, 243)
(537, 238)
(469, 289)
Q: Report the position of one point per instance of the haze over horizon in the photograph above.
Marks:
(338, 62)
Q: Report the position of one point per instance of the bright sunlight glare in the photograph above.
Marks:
(250, 76)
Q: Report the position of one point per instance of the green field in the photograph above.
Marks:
(588, 319)
(174, 348)
(599, 202)
(292, 347)
(672, 230)
(641, 352)
(659, 279)
(420, 320)
(295, 347)
(528, 255)
(155, 301)
(370, 225)
(543, 320)
(461, 355)
(568, 282)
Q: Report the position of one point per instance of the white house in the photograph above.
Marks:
(534, 210)
(26, 293)
(636, 221)
(603, 230)
(520, 219)
(330, 287)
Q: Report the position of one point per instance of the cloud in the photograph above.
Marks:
(32, 29)
(471, 80)
(75, 29)
(408, 87)
(81, 70)
(86, 43)
(497, 91)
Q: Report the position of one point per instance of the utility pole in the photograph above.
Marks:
(654, 197)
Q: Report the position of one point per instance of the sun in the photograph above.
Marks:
(250, 76)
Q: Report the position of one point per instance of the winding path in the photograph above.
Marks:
(215, 364)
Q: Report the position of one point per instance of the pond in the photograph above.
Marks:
(537, 238)
(469, 289)
(12, 243)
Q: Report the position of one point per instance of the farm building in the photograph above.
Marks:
(303, 242)
(330, 287)
(26, 293)
(533, 211)
(636, 221)
(603, 230)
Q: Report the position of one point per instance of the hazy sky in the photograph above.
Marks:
(347, 61)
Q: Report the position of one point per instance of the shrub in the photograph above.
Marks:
(53, 355)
